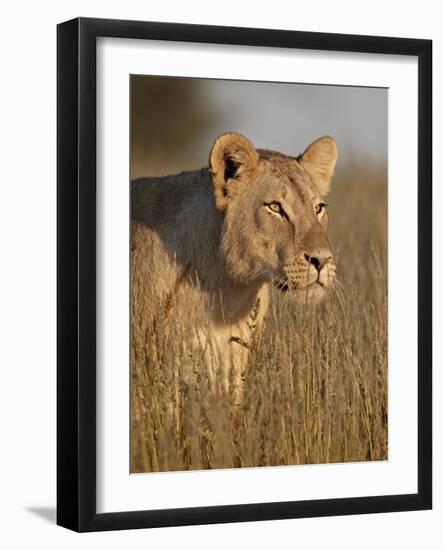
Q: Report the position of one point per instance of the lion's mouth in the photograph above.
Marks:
(285, 286)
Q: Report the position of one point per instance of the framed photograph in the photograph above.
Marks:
(244, 274)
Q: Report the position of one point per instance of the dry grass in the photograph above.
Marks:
(316, 389)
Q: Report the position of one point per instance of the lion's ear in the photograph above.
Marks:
(319, 161)
(231, 156)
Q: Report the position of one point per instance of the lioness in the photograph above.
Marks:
(207, 245)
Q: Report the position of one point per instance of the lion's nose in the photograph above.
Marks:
(318, 261)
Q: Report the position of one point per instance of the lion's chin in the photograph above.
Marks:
(311, 294)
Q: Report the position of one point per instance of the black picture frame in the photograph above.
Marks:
(76, 274)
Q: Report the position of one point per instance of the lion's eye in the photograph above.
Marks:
(275, 207)
(320, 207)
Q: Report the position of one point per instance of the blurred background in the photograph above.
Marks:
(174, 121)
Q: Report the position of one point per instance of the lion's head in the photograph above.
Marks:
(274, 214)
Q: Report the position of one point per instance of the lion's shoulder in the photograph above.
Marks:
(159, 200)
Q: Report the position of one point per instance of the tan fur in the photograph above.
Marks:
(207, 245)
